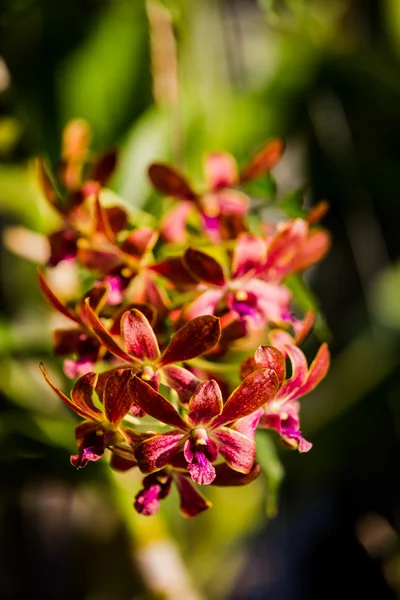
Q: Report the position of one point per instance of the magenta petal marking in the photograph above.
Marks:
(238, 450)
(138, 335)
(206, 403)
(154, 453)
(201, 470)
(147, 502)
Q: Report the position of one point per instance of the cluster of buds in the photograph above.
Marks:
(180, 341)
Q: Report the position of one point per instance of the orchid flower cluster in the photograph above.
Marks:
(180, 340)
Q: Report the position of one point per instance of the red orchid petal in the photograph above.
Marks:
(139, 241)
(206, 403)
(281, 339)
(175, 271)
(205, 304)
(122, 463)
(248, 425)
(173, 225)
(311, 251)
(238, 450)
(191, 340)
(250, 252)
(102, 334)
(83, 430)
(220, 170)
(318, 369)
(170, 182)
(104, 167)
(302, 328)
(47, 185)
(299, 372)
(54, 300)
(117, 400)
(263, 161)
(95, 260)
(182, 381)
(140, 340)
(317, 212)
(155, 453)
(102, 222)
(82, 411)
(191, 501)
(145, 291)
(154, 404)
(226, 477)
(204, 267)
(82, 393)
(269, 357)
(257, 389)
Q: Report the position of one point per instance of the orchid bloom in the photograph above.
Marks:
(100, 429)
(220, 198)
(248, 298)
(205, 433)
(157, 485)
(282, 412)
(141, 353)
(293, 247)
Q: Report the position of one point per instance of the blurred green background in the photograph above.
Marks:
(170, 80)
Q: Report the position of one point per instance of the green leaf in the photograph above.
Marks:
(268, 459)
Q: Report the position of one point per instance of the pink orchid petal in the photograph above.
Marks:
(194, 338)
(248, 425)
(200, 457)
(238, 450)
(155, 453)
(170, 182)
(250, 252)
(281, 339)
(269, 357)
(173, 225)
(318, 369)
(140, 340)
(204, 267)
(117, 401)
(313, 249)
(181, 380)
(273, 301)
(232, 202)
(299, 372)
(206, 403)
(227, 477)
(191, 501)
(205, 304)
(257, 389)
(220, 170)
(154, 404)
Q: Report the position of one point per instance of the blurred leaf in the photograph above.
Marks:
(303, 296)
(107, 79)
(292, 204)
(267, 456)
(385, 296)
